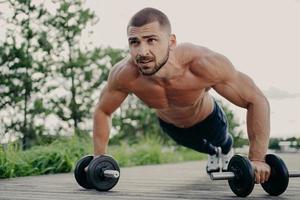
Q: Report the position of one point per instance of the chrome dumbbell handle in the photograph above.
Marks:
(222, 175)
(111, 174)
(230, 175)
(294, 173)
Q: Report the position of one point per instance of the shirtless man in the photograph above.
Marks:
(175, 81)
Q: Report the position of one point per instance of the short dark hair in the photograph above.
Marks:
(148, 15)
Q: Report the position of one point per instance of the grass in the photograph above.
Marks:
(151, 151)
(55, 158)
(62, 155)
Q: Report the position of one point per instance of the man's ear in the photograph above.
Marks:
(172, 41)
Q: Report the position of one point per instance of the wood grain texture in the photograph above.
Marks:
(160, 182)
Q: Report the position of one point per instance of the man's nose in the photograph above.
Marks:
(143, 50)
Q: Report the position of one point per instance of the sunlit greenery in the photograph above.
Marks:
(61, 156)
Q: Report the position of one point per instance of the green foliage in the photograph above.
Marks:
(57, 157)
(47, 71)
(83, 70)
(136, 121)
(62, 155)
(274, 143)
(151, 152)
(295, 142)
(23, 70)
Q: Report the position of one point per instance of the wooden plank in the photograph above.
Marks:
(164, 182)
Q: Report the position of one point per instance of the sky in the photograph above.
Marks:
(260, 37)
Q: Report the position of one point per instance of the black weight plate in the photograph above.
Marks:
(279, 178)
(95, 173)
(243, 183)
(80, 174)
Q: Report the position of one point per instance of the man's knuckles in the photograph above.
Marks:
(262, 172)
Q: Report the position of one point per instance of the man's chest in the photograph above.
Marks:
(180, 92)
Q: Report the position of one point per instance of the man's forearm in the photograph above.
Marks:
(101, 130)
(258, 125)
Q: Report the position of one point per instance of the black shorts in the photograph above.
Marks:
(204, 136)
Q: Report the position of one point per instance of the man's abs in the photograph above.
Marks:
(185, 117)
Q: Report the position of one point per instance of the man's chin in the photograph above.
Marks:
(147, 72)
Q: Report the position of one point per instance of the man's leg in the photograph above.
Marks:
(218, 136)
(226, 152)
(188, 138)
(227, 144)
(204, 137)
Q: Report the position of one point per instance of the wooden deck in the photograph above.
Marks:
(171, 181)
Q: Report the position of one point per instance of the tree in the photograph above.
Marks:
(81, 70)
(46, 71)
(23, 61)
(274, 143)
(134, 121)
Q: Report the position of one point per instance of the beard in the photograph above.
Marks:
(149, 71)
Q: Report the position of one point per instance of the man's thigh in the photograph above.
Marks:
(212, 130)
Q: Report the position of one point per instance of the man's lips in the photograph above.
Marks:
(145, 61)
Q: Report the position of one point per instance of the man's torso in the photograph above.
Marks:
(182, 100)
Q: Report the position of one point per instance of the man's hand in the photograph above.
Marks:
(86, 168)
(262, 171)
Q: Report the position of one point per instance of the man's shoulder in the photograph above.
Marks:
(187, 46)
(189, 52)
(123, 72)
(201, 61)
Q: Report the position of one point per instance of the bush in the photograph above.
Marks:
(150, 150)
(57, 157)
(62, 155)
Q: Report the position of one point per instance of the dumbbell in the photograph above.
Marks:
(103, 172)
(241, 178)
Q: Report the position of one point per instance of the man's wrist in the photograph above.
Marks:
(258, 160)
(256, 156)
(96, 155)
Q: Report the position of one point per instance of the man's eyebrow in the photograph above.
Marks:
(149, 36)
(144, 37)
(132, 38)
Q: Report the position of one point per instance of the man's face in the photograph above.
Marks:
(149, 47)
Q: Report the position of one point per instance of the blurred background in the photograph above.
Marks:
(55, 57)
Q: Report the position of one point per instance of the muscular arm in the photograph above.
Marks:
(217, 71)
(110, 99)
(242, 91)
(239, 89)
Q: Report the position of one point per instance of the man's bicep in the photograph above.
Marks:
(110, 99)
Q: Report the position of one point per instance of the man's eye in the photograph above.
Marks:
(133, 42)
(151, 40)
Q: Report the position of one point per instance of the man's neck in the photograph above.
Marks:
(169, 71)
